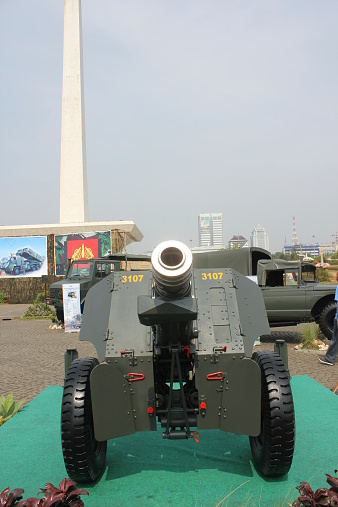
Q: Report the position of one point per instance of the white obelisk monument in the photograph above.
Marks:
(73, 165)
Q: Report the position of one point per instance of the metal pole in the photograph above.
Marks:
(69, 356)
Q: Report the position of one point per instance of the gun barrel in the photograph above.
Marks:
(172, 269)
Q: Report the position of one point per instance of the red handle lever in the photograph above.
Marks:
(134, 377)
(217, 375)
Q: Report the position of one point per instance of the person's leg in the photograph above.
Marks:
(332, 351)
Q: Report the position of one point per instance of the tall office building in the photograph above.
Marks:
(260, 237)
(210, 230)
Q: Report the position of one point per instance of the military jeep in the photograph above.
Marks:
(292, 294)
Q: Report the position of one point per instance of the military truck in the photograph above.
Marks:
(243, 260)
(88, 272)
(175, 351)
(25, 259)
(13, 265)
(290, 289)
(292, 294)
(33, 261)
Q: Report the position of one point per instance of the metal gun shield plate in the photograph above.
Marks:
(120, 405)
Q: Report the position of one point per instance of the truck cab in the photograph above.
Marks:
(86, 272)
(89, 272)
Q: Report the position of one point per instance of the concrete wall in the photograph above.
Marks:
(25, 290)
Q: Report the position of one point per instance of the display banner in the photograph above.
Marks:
(71, 307)
(23, 257)
(88, 245)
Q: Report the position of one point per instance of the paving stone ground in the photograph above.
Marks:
(32, 356)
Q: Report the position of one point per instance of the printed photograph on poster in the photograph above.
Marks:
(23, 257)
(80, 246)
(71, 307)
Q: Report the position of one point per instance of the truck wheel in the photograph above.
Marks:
(272, 450)
(83, 455)
(326, 318)
(17, 271)
(59, 315)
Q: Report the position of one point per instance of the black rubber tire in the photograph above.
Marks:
(326, 318)
(59, 315)
(84, 456)
(16, 271)
(272, 450)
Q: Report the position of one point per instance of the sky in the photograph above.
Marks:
(191, 106)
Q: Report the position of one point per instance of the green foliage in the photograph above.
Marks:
(3, 297)
(40, 311)
(334, 256)
(309, 334)
(319, 259)
(9, 407)
(287, 257)
(322, 275)
(278, 255)
(40, 298)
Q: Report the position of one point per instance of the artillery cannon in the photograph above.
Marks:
(174, 349)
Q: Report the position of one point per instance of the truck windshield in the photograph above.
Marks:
(80, 269)
(291, 277)
(309, 273)
(104, 269)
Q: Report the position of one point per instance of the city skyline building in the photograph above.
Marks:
(295, 240)
(210, 230)
(303, 249)
(259, 238)
(238, 241)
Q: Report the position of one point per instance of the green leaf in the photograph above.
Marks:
(8, 407)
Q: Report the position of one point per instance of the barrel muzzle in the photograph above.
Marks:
(172, 269)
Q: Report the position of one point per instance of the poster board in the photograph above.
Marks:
(78, 246)
(71, 307)
(23, 257)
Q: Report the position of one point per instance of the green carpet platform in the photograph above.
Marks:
(144, 470)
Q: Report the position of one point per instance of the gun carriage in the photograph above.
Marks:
(174, 349)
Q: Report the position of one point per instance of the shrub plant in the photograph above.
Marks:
(322, 275)
(309, 334)
(321, 497)
(66, 495)
(9, 407)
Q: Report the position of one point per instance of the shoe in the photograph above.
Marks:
(323, 360)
